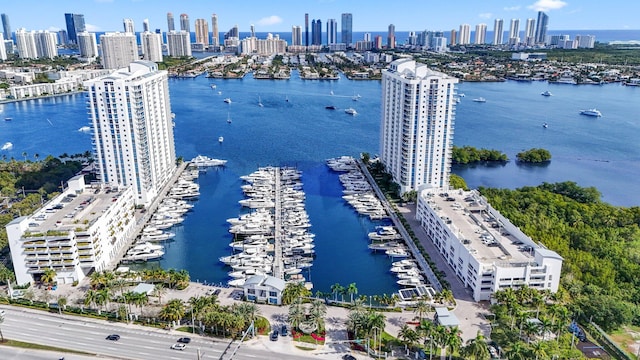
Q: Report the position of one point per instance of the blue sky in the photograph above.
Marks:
(368, 15)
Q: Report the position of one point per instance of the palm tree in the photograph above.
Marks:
(426, 330)
(517, 352)
(317, 312)
(336, 289)
(62, 304)
(293, 291)
(48, 277)
(538, 351)
(90, 297)
(408, 335)
(422, 308)
(352, 290)
(477, 348)
(1, 322)
(174, 310)
(296, 313)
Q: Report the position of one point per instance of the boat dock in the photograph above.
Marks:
(277, 230)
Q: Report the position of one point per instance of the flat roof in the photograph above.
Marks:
(71, 210)
(465, 212)
(446, 317)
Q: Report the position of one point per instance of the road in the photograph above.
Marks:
(136, 342)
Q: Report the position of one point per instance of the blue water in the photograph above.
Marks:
(600, 152)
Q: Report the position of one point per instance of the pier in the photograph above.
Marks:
(278, 265)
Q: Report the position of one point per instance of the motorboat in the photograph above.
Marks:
(398, 252)
(351, 111)
(480, 99)
(383, 233)
(84, 129)
(220, 139)
(145, 251)
(227, 100)
(591, 112)
(356, 97)
(8, 119)
(260, 102)
(158, 235)
(330, 107)
(546, 93)
(213, 86)
(545, 125)
(237, 282)
(384, 246)
(204, 161)
(7, 146)
(413, 282)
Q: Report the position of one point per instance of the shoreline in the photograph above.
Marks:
(40, 97)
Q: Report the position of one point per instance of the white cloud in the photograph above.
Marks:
(512, 8)
(270, 20)
(53, 29)
(91, 27)
(485, 15)
(546, 5)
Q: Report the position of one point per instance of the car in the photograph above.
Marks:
(348, 357)
(284, 331)
(113, 337)
(184, 340)
(274, 336)
(178, 346)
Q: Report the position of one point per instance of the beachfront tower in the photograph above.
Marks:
(133, 128)
(75, 25)
(541, 29)
(118, 49)
(171, 25)
(184, 23)
(215, 39)
(498, 32)
(6, 27)
(346, 33)
(416, 131)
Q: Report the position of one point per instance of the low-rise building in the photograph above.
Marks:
(264, 288)
(81, 230)
(485, 250)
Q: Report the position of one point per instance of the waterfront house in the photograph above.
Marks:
(264, 288)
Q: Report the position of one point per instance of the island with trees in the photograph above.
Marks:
(470, 155)
(535, 155)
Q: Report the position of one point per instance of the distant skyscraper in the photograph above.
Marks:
(179, 43)
(215, 40)
(541, 28)
(87, 45)
(453, 36)
(131, 115)
(6, 27)
(171, 24)
(46, 44)
(346, 34)
(481, 34)
(128, 26)
(332, 31)
(145, 25)
(26, 44)
(184, 23)
(3, 49)
(391, 37)
(514, 32)
(306, 29)
(202, 31)
(296, 35)
(586, 41)
(151, 46)
(415, 144)
(498, 32)
(530, 32)
(118, 50)
(75, 25)
(367, 36)
(464, 37)
(316, 32)
(63, 39)
(252, 30)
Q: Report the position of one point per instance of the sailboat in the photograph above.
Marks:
(260, 102)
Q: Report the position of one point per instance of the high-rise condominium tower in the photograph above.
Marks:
(118, 50)
(530, 32)
(151, 44)
(346, 34)
(215, 40)
(87, 45)
(184, 23)
(541, 28)
(514, 32)
(416, 130)
(332, 31)
(128, 25)
(171, 24)
(464, 37)
(202, 31)
(481, 34)
(179, 43)
(296, 35)
(391, 37)
(316, 32)
(133, 130)
(145, 25)
(3, 49)
(498, 32)
(26, 44)
(6, 27)
(75, 25)
(306, 29)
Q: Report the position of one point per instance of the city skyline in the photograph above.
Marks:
(107, 15)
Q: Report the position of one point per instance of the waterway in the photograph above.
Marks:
(294, 128)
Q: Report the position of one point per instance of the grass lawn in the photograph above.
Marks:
(26, 345)
(627, 336)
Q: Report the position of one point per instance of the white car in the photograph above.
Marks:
(178, 346)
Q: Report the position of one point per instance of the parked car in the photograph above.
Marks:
(184, 340)
(179, 346)
(348, 357)
(274, 335)
(113, 337)
(284, 331)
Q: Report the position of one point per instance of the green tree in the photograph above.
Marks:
(476, 348)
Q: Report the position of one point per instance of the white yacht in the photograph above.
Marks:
(591, 112)
(145, 251)
(480, 99)
(204, 161)
(227, 100)
(351, 111)
(546, 93)
(7, 146)
(157, 235)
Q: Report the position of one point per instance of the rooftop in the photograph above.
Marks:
(472, 221)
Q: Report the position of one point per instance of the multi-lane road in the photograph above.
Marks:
(136, 342)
